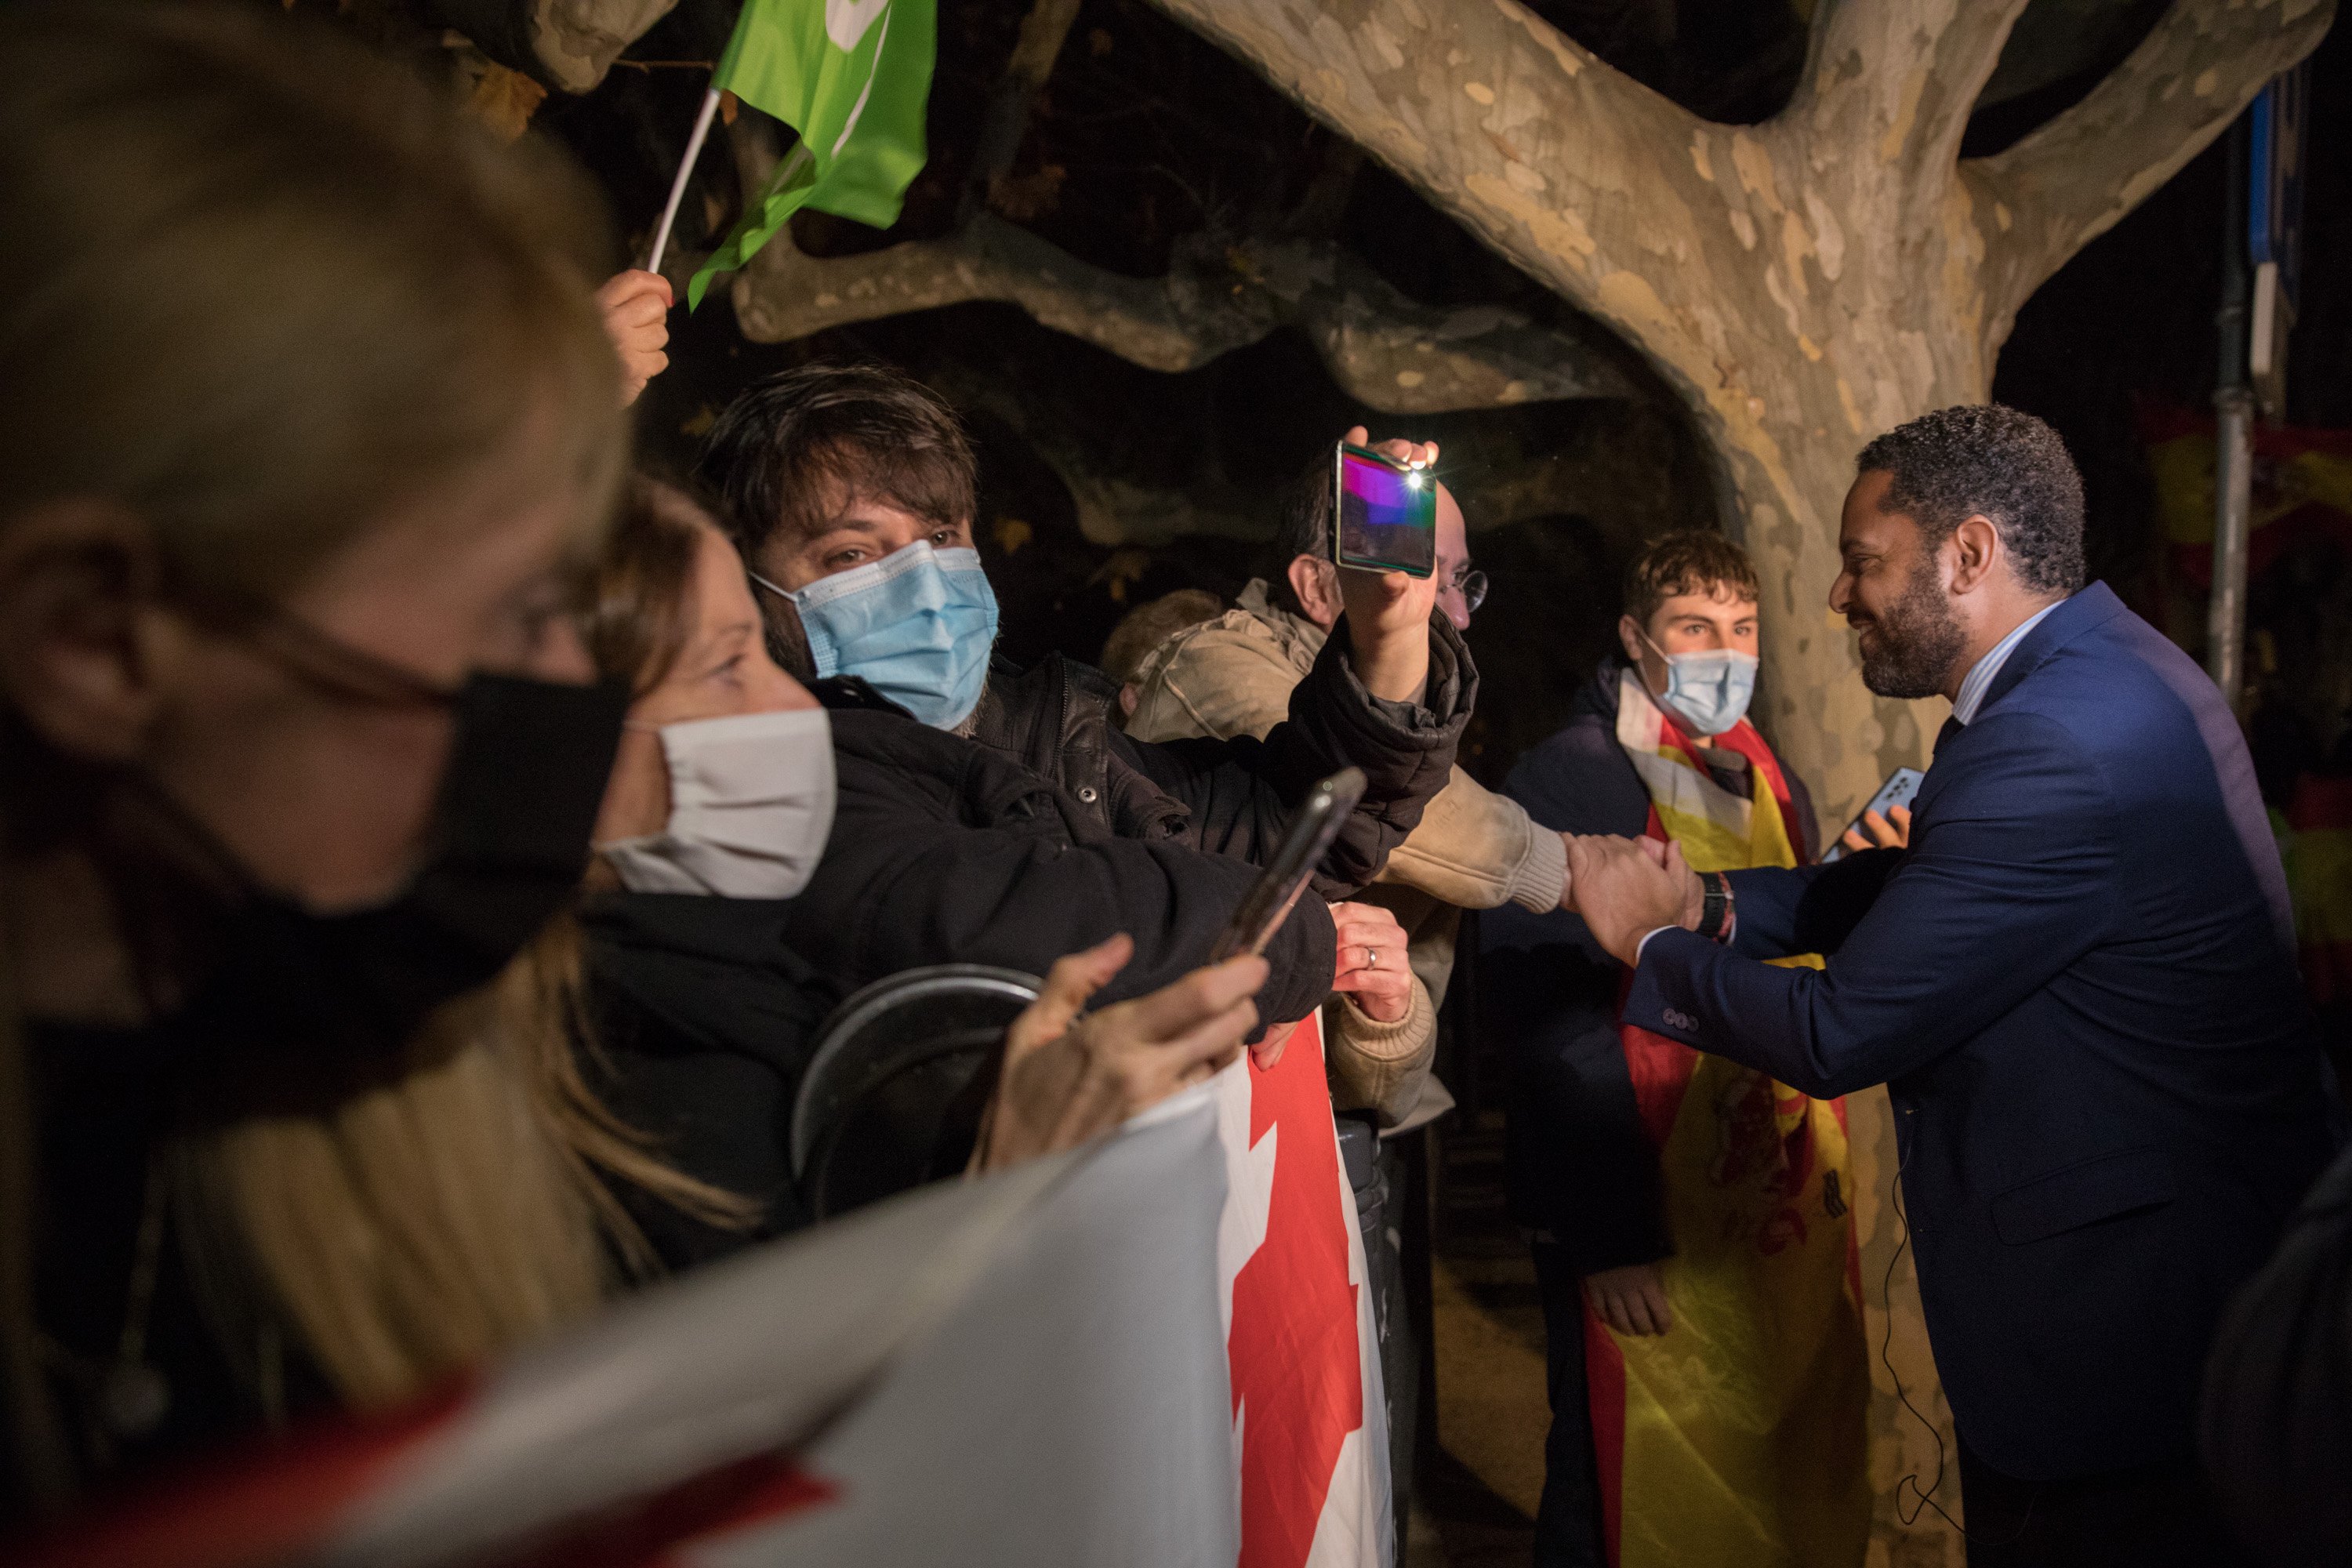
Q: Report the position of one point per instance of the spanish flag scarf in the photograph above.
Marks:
(1736, 1439)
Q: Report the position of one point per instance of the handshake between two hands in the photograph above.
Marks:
(1627, 887)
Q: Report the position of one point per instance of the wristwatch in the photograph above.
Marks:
(1714, 905)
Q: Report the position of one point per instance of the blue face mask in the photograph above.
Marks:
(916, 626)
(1709, 692)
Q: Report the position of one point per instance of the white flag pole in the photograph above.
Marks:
(678, 186)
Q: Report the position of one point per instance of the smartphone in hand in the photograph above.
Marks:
(1900, 786)
(1304, 844)
(1383, 514)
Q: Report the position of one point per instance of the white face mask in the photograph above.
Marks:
(751, 807)
(1708, 690)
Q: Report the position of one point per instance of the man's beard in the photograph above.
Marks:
(1909, 651)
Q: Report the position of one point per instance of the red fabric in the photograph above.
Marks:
(757, 1492)
(2274, 446)
(1661, 1072)
(1854, 1242)
(1661, 1069)
(1299, 1384)
(2327, 971)
(2320, 806)
(265, 1502)
(284, 1502)
(1743, 739)
(2265, 544)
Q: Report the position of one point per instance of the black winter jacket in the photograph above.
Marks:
(944, 851)
(1233, 798)
(705, 1022)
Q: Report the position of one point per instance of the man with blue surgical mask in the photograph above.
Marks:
(850, 490)
(1612, 1195)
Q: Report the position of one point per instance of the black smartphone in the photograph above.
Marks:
(1900, 786)
(1304, 844)
(1383, 514)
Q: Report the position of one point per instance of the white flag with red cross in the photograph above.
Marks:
(1308, 1420)
(1156, 1351)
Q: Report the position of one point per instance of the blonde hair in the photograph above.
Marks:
(423, 1223)
(264, 289)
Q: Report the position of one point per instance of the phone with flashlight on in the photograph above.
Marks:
(1383, 514)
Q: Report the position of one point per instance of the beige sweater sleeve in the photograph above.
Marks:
(1221, 680)
(1477, 849)
(1375, 1066)
(1473, 847)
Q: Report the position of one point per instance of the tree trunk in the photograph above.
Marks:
(1804, 284)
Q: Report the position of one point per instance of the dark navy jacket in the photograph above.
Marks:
(1578, 1164)
(2079, 984)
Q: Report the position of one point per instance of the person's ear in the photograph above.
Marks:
(87, 652)
(1315, 583)
(1629, 635)
(1975, 547)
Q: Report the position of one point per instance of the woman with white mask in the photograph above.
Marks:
(676, 974)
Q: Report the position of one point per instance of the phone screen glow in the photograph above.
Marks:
(1387, 515)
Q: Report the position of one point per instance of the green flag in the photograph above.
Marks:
(851, 76)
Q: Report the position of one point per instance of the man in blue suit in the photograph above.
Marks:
(2077, 982)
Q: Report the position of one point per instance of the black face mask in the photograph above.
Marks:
(518, 802)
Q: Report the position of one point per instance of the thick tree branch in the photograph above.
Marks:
(1895, 80)
(1576, 174)
(1502, 486)
(1382, 348)
(570, 45)
(2069, 181)
(1006, 119)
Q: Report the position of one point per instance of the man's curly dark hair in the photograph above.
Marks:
(1984, 460)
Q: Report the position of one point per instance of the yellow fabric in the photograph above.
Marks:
(1744, 1425)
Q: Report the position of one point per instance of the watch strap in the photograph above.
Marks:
(1715, 907)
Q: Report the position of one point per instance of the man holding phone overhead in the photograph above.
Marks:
(1236, 675)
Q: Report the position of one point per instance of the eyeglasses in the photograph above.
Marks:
(1471, 584)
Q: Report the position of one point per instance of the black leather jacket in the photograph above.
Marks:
(944, 851)
(1233, 796)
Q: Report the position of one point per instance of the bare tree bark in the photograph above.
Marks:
(1006, 119)
(568, 44)
(2068, 183)
(1381, 347)
(1804, 283)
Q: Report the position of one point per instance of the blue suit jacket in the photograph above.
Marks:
(2079, 986)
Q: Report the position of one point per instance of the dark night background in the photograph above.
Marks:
(1145, 135)
(1147, 143)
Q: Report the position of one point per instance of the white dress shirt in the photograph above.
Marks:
(1981, 676)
